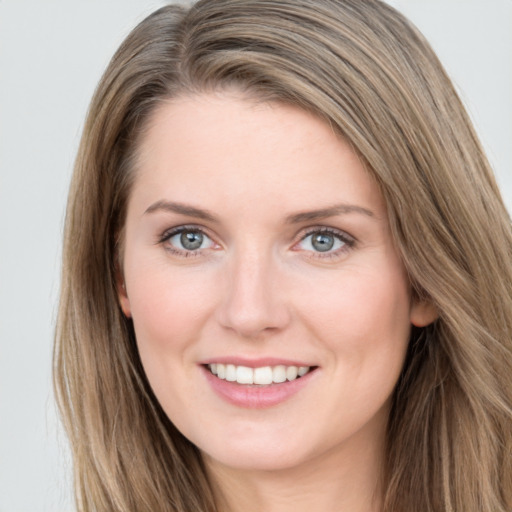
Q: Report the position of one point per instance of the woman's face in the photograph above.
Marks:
(256, 242)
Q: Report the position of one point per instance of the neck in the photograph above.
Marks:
(345, 479)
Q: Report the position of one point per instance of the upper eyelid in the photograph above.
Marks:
(349, 242)
(167, 233)
(325, 229)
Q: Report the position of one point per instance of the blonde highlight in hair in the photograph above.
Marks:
(368, 72)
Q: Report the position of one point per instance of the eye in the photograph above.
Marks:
(187, 240)
(326, 242)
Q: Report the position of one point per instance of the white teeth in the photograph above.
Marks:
(263, 375)
(279, 373)
(231, 372)
(244, 375)
(221, 371)
(291, 372)
(303, 370)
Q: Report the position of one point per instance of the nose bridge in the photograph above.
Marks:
(252, 302)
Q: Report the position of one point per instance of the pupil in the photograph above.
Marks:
(322, 242)
(191, 240)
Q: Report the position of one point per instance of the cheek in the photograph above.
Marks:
(168, 312)
(363, 321)
(363, 316)
(164, 301)
(168, 319)
(380, 306)
(362, 294)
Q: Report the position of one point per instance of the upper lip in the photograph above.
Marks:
(255, 363)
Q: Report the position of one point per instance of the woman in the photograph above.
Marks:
(287, 272)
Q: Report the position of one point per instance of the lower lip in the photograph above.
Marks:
(256, 397)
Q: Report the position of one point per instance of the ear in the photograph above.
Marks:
(423, 313)
(122, 295)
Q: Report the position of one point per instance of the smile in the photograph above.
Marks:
(264, 375)
(258, 385)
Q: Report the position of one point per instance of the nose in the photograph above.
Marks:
(253, 301)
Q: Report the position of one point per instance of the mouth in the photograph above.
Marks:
(258, 376)
(258, 383)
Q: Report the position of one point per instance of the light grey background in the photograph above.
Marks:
(52, 54)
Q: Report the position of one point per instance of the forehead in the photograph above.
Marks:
(202, 146)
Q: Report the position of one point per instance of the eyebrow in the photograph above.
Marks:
(332, 211)
(183, 209)
(297, 218)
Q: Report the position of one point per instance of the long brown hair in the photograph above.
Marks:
(368, 72)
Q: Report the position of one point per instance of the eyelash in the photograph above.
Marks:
(167, 235)
(347, 240)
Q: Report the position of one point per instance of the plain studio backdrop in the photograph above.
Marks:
(52, 54)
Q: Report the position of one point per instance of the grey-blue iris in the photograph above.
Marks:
(322, 242)
(191, 240)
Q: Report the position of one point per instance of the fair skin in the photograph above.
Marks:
(256, 238)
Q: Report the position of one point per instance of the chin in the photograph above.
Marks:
(262, 451)
(254, 459)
